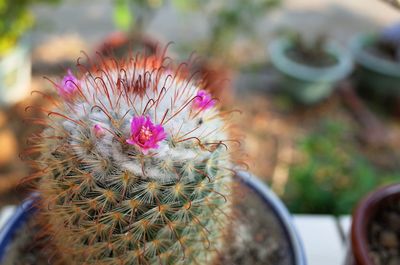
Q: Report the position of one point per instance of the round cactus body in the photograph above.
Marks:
(134, 166)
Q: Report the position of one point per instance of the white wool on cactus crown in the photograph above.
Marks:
(173, 96)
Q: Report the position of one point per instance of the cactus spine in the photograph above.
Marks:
(134, 166)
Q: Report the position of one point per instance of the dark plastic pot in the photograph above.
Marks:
(362, 216)
(376, 76)
(304, 83)
(23, 213)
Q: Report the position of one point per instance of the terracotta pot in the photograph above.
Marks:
(120, 44)
(216, 78)
(362, 216)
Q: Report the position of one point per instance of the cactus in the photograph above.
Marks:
(134, 166)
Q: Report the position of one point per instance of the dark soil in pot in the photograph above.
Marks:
(384, 234)
(385, 50)
(311, 57)
(377, 75)
(313, 54)
(375, 229)
(256, 238)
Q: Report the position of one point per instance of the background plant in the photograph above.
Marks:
(133, 15)
(228, 19)
(16, 19)
(333, 174)
(308, 51)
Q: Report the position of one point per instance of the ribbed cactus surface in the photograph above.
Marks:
(134, 166)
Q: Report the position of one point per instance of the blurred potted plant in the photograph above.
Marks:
(375, 228)
(15, 65)
(229, 21)
(378, 58)
(309, 71)
(130, 18)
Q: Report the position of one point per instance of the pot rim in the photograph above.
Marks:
(268, 196)
(280, 210)
(369, 60)
(366, 208)
(277, 51)
(16, 221)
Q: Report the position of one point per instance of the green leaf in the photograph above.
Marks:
(184, 5)
(123, 17)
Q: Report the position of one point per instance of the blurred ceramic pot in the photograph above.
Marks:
(15, 73)
(309, 84)
(214, 75)
(366, 211)
(376, 75)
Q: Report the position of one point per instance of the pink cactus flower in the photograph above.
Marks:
(67, 88)
(98, 131)
(145, 134)
(203, 100)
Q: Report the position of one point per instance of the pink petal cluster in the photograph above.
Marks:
(203, 100)
(68, 85)
(145, 134)
(98, 131)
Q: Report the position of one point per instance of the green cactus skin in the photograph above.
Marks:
(105, 201)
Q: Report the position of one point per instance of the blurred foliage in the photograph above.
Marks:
(311, 52)
(15, 20)
(334, 175)
(234, 17)
(228, 18)
(134, 14)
